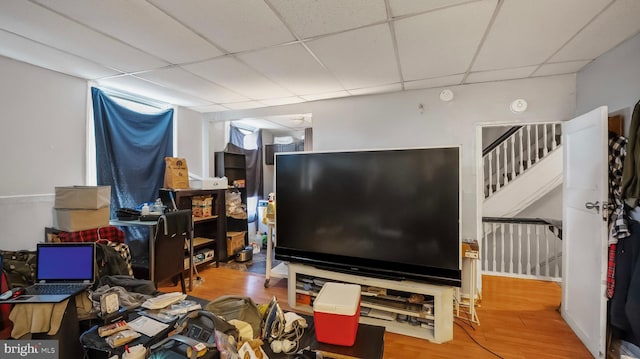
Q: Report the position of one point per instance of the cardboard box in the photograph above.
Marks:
(209, 183)
(202, 206)
(82, 197)
(73, 220)
(235, 242)
(336, 311)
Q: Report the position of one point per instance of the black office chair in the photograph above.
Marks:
(169, 252)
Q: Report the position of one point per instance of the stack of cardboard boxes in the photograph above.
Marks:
(78, 208)
(201, 206)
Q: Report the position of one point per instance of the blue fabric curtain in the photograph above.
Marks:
(130, 152)
(253, 159)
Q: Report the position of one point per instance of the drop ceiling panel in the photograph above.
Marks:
(282, 101)
(244, 105)
(238, 77)
(500, 75)
(209, 108)
(359, 58)
(443, 42)
(434, 82)
(404, 7)
(376, 89)
(294, 68)
(31, 52)
(324, 96)
(189, 83)
(560, 68)
(139, 24)
(134, 85)
(47, 27)
(529, 32)
(310, 18)
(234, 25)
(619, 22)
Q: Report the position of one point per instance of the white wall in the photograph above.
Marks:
(613, 80)
(43, 143)
(192, 140)
(395, 121)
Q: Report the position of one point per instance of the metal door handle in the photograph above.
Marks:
(593, 205)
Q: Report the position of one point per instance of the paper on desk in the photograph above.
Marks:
(163, 300)
(147, 326)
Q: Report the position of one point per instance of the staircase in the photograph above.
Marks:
(520, 167)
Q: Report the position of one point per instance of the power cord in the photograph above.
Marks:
(475, 341)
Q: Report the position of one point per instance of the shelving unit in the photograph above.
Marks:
(209, 244)
(234, 167)
(430, 319)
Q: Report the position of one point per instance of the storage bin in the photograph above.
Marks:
(72, 220)
(201, 206)
(235, 242)
(336, 311)
(82, 197)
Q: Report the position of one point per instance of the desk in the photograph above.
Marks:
(152, 238)
(369, 342)
(152, 235)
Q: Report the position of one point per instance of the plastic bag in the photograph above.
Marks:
(237, 307)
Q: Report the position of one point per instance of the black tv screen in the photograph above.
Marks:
(388, 213)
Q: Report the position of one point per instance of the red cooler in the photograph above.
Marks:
(336, 312)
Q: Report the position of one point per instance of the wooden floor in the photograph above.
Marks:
(519, 318)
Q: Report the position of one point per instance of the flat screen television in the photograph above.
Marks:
(385, 213)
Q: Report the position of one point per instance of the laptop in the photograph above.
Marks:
(63, 270)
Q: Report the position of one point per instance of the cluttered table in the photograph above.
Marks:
(369, 342)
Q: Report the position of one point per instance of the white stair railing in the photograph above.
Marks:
(522, 247)
(518, 153)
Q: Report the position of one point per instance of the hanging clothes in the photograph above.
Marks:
(630, 178)
(618, 218)
(625, 303)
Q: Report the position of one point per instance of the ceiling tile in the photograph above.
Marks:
(529, 32)
(254, 123)
(324, 96)
(137, 86)
(31, 52)
(434, 82)
(310, 18)
(141, 25)
(443, 42)
(499, 75)
(405, 7)
(243, 105)
(234, 25)
(238, 77)
(359, 58)
(560, 68)
(59, 32)
(187, 82)
(376, 89)
(294, 68)
(616, 24)
(282, 101)
(209, 108)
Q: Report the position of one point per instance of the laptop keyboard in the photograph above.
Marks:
(39, 289)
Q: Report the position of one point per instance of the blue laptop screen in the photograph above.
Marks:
(65, 262)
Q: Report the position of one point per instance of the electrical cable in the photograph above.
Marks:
(475, 341)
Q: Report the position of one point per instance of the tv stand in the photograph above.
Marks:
(432, 319)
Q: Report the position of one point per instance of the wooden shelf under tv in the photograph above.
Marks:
(441, 315)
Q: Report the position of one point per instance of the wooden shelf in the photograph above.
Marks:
(203, 219)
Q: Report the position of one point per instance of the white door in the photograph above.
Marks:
(584, 230)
